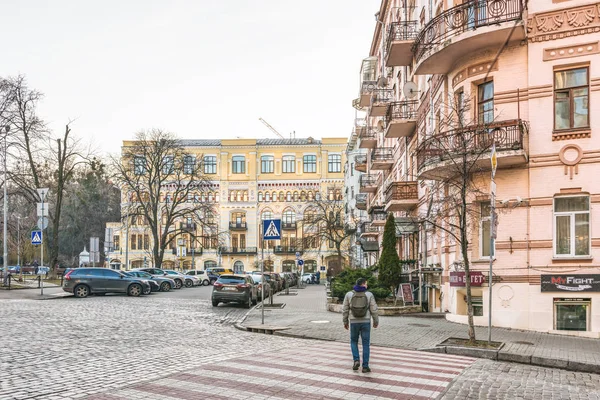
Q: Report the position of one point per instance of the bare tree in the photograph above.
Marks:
(463, 148)
(166, 186)
(323, 222)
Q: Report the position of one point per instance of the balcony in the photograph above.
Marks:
(400, 38)
(382, 158)
(379, 101)
(188, 252)
(366, 90)
(437, 156)
(465, 29)
(401, 196)
(237, 250)
(368, 229)
(379, 218)
(401, 119)
(237, 226)
(369, 245)
(360, 124)
(368, 183)
(287, 250)
(360, 163)
(288, 226)
(184, 226)
(368, 138)
(361, 201)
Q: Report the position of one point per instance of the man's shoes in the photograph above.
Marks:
(356, 365)
(366, 369)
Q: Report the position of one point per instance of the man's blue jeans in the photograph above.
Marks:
(364, 330)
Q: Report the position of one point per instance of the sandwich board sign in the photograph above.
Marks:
(36, 237)
(272, 229)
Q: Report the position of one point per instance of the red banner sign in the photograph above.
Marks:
(458, 278)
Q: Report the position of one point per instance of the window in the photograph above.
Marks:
(267, 164)
(310, 163)
(140, 242)
(139, 165)
(484, 230)
(571, 101)
(296, 197)
(571, 314)
(281, 196)
(210, 264)
(116, 242)
(210, 164)
(485, 103)
(267, 196)
(238, 267)
(274, 196)
(168, 165)
(134, 242)
(335, 163)
(238, 164)
(146, 242)
(460, 107)
(572, 226)
(260, 196)
(289, 217)
(289, 164)
(189, 164)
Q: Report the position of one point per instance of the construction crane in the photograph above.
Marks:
(271, 128)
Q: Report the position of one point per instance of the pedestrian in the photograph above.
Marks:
(35, 267)
(359, 307)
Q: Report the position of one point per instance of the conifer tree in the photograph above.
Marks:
(389, 262)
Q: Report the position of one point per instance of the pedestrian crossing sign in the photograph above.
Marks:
(272, 229)
(36, 237)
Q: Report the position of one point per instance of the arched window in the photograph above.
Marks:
(238, 267)
(217, 197)
(260, 196)
(318, 196)
(296, 196)
(210, 197)
(274, 198)
(310, 195)
(303, 196)
(267, 215)
(232, 196)
(268, 196)
(310, 266)
(210, 264)
(245, 195)
(288, 196)
(338, 194)
(288, 266)
(289, 216)
(239, 195)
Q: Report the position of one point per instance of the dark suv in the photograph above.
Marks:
(234, 289)
(179, 280)
(85, 281)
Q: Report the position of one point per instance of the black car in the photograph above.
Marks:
(157, 272)
(158, 283)
(85, 281)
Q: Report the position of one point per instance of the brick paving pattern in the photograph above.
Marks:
(315, 371)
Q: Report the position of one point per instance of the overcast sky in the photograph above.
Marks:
(201, 69)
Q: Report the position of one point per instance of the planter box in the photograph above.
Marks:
(337, 308)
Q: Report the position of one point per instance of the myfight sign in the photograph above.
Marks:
(570, 283)
(458, 278)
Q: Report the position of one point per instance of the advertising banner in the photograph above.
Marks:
(458, 278)
(570, 283)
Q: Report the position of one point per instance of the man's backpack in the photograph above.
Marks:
(359, 304)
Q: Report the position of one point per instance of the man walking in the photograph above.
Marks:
(359, 307)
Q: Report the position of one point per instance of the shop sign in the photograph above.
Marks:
(458, 278)
(570, 283)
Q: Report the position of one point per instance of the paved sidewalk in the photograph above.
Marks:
(50, 292)
(306, 316)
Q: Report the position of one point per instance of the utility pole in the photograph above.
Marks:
(4, 237)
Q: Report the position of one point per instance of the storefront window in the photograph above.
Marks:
(571, 315)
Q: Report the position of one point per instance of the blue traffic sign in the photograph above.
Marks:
(36, 237)
(300, 263)
(272, 229)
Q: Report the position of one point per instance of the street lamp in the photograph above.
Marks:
(19, 246)
(4, 237)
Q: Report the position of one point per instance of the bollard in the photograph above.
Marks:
(39, 279)
(287, 288)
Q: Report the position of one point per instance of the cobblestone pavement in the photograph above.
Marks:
(313, 371)
(67, 347)
(417, 333)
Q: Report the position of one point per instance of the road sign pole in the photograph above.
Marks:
(42, 250)
(493, 234)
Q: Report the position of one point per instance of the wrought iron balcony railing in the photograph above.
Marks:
(382, 95)
(367, 87)
(360, 159)
(368, 133)
(402, 31)
(383, 154)
(402, 110)
(407, 190)
(197, 251)
(237, 250)
(287, 249)
(238, 225)
(472, 140)
(470, 15)
(378, 217)
(288, 225)
(368, 180)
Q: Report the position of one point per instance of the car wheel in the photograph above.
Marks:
(189, 283)
(165, 287)
(134, 290)
(206, 282)
(215, 303)
(178, 284)
(249, 303)
(81, 291)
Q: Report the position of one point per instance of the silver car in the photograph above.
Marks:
(85, 281)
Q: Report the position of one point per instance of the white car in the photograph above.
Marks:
(200, 274)
(307, 278)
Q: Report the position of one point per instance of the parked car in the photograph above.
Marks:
(219, 270)
(259, 280)
(188, 280)
(164, 283)
(307, 278)
(179, 280)
(234, 289)
(200, 274)
(278, 279)
(14, 269)
(85, 281)
(213, 278)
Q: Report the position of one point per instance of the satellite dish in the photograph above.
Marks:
(410, 90)
(380, 125)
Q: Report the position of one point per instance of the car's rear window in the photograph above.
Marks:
(231, 279)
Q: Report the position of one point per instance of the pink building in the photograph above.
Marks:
(443, 81)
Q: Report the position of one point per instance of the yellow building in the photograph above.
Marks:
(251, 180)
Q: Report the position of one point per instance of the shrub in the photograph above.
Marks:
(345, 281)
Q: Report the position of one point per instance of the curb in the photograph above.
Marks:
(496, 355)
